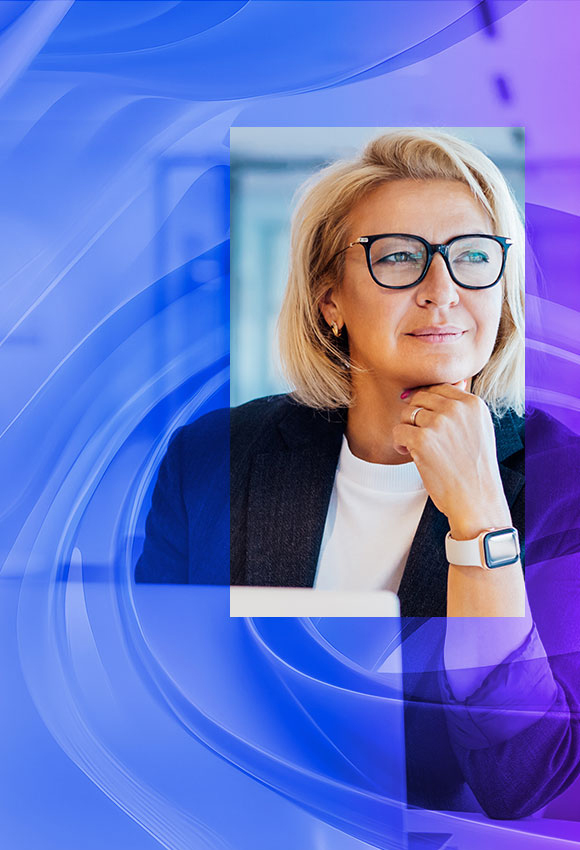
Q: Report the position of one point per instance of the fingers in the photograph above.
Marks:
(456, 390)
(422, 412)
(437, 396)
(426, 400)
(421, 419)
(406, 438)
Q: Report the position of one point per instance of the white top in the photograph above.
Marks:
(372, 518)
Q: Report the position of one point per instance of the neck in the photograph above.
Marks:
(371, 420)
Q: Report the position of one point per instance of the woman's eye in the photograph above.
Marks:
(473, 257)
(398, 257)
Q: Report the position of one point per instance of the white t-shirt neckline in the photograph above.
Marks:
(372, 518)
(391, 478)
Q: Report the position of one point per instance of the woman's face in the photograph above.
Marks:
(386, 327)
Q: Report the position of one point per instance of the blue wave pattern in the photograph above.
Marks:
(204, 731)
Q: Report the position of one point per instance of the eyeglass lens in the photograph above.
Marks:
(401, 260)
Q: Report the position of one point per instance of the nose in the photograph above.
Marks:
(438, 287)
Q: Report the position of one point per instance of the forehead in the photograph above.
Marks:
(437, 210)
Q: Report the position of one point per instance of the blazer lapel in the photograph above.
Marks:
(290, 489)
(423, 588)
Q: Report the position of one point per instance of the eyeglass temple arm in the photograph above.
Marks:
(358, 241)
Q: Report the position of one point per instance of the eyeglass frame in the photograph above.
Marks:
(432, 249)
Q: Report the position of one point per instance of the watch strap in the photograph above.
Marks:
(472, 553)
(465, 553)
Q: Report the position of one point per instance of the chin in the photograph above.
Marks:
(442, 372)
(437, 376)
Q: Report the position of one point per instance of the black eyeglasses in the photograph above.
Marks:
(400, 260)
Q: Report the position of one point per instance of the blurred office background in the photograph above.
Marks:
(268, 166)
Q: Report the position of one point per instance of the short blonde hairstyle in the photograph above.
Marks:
(315, 362)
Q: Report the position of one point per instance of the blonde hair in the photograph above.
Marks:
(315, 362)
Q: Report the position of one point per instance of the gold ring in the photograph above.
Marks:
(414, 414)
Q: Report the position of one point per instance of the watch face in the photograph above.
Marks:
(501, 547)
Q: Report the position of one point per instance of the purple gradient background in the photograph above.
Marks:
(114, 330)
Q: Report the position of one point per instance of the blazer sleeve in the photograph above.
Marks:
(187, 529)
(517, 738)
(165, 556)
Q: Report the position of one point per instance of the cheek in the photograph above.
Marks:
(378, 322)
(374, 316)
(487, 316)
(366, 310)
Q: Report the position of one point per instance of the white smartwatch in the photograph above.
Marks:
(494, 547)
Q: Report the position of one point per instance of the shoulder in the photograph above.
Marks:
(510, 440)
(281, 424)
(200, 448)
(262, 425)
(214, 424)
(553, 500)
(540, 439)
(279, 420)
(257, 421)
(266, 410)
(538, 431)
(546, 434)
(552, 451)
(255, 428)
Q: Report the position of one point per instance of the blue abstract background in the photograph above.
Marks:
(132, 719)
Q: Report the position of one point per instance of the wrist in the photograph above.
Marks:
(467, 527)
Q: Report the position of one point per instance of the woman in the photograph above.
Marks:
(398, 462)
(403, 316)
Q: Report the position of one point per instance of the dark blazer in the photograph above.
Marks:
(284, 458)
(283, 461)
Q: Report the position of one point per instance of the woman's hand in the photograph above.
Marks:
(453, 444)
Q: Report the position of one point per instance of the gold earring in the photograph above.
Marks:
(335, 329)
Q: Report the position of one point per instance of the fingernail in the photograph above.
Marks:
(406, 394)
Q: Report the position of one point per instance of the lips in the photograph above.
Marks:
(437, 330)
(437, 333)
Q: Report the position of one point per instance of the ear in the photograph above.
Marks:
(330, 308)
